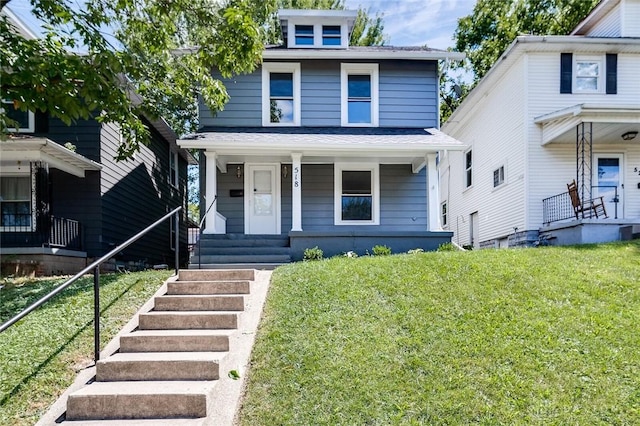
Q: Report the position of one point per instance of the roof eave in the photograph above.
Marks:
(289, 54)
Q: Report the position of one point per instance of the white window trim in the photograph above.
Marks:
(173, 154)
(375, 190)
(444, 213)
(601, 71)
(504, 176)
(317, 33)
(31, 117)
(373, 70)
(267, 69)
(464, 169)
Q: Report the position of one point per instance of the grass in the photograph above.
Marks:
(41, 355)
(520, 337)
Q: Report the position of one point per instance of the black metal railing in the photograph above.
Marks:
(95, 267)
(558, 207)
(53, 231)
(201, 230)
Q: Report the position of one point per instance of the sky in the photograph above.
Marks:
(406, 22)
(418, 22)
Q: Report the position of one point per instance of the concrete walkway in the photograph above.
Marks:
(227, 392)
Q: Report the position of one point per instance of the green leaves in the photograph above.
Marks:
(131, 46)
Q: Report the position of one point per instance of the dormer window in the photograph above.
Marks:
(331, 35)
(24, 121)
(304, 35)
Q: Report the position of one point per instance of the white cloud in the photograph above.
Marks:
(418, 22)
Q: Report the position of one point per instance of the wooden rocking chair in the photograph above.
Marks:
(590, 208)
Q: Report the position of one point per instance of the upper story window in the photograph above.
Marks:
(357, 194)
(173, 168)
(15, 202)
(331, 35)
(24, 121)
(498, 176)
(359, 95)
(588, 74)
(304, 35)
(280, 94)
(468, 168)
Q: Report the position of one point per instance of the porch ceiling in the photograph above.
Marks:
(609, 123)
(322, 145)
(41, 149)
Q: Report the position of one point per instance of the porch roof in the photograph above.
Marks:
(610, 122)
(324, 144)
(42, 149)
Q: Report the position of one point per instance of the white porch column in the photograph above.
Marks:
(296, 192)
(210, 192)
(433, 198)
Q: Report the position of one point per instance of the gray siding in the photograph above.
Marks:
(408, 96)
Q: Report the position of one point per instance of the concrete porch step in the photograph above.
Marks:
(241, 258)
(242, 240)
(176, 341)
(252, 250)
(159, 366)
(216, 275)
(187, 320)
(208, 287)
(140, 400)
(199, 303)
(257, 266)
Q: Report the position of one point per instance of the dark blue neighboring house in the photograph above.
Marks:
(327, 144)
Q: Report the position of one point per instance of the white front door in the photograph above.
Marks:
(262, 199)
(608, 182)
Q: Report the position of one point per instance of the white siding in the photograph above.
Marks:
(609, 26)
(554, 165)
(630, 18)
(495, 132)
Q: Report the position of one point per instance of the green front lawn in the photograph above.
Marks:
(533, 336)
(41, 355)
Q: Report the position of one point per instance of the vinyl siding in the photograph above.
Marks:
(609, 26)
(495, 133)
(407, 95)
(558, 161)
(630, 18)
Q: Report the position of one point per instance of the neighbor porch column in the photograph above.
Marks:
(296, 192)
(210, 193)
(433, 198)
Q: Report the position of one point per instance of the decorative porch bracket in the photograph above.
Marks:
(584, 159)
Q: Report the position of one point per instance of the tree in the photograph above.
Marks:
(117, 60)
(367, 31)
(493, 25)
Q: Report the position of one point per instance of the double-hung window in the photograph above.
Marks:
(357, 194)
(304, 35)
(280, 94)
(359, 106)
(21, 121)
(468, 168)
(588, 74)
(15, 202)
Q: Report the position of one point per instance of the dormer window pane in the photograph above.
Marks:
(304, 35)
(281, 97)
(331, 35)
(359, 87)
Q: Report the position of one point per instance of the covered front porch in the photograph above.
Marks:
(32, 239)
(604, 204)
(338, 188)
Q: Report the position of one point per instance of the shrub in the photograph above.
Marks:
(379, 250)
(446, 247)
(314, 253)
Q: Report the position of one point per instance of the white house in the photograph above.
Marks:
(553, 109)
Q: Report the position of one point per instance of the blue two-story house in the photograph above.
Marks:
(327, 144)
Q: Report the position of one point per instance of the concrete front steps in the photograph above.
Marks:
(170, 365)
(216, 251)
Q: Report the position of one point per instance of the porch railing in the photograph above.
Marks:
(53, 232)
(558, 207)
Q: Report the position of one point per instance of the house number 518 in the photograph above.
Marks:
(296, 177)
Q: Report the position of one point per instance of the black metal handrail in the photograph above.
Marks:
(200, 228)
(95, 266)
